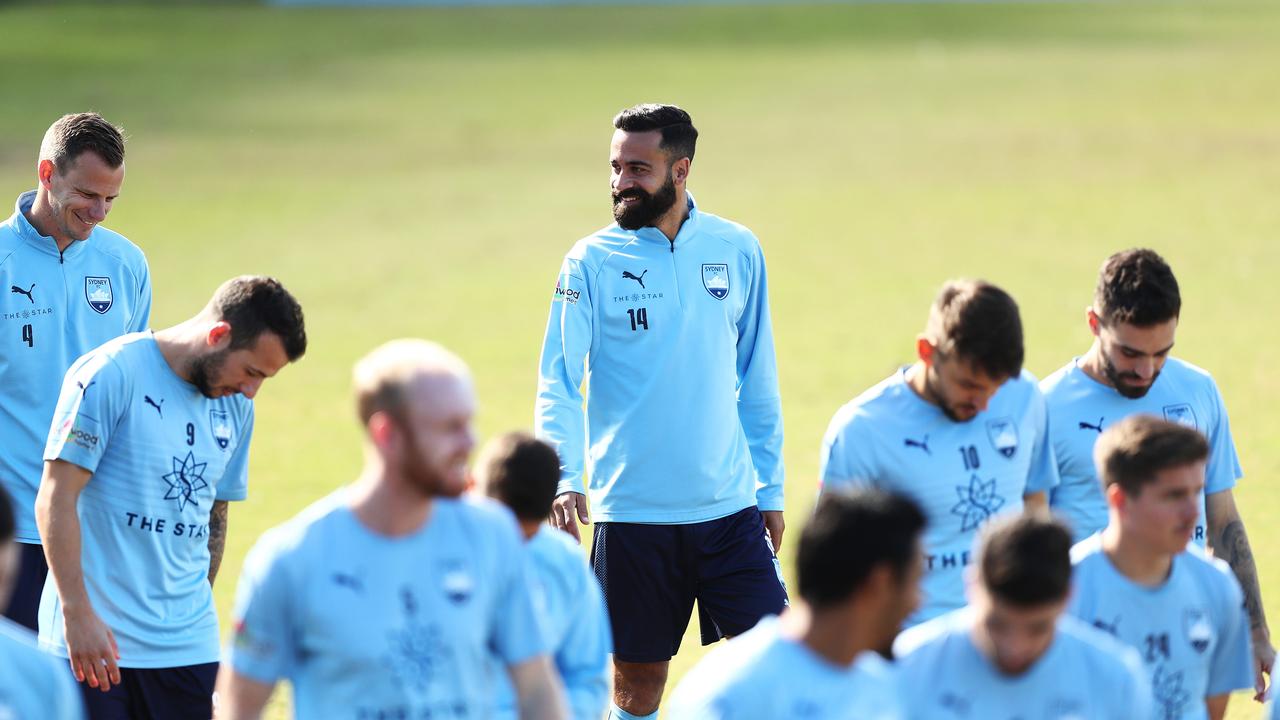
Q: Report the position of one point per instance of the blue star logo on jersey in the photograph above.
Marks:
(416, 649)
(1182, 414)
(1169, 693)
(1003, 433)
(978, 502)
(715, 278)
(186, 479)
(97, 292)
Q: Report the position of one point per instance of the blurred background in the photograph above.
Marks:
(421, 171)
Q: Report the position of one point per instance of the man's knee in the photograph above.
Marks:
(637, 687)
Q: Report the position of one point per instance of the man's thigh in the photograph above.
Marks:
(24, 605)
(648, 590)
(181, 693)
(738, 577)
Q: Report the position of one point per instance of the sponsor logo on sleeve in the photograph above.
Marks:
(565, 293)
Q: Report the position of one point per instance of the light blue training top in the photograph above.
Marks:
(34, 684)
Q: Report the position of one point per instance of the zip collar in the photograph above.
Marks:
(43, 243)
(651, 234)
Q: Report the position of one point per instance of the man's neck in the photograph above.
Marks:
(1133, 559)
(673, 219)
(837, 636)
(529, 528)
(917, 380)
(1091, 364)
(386, 505)
(178, 344)
(41, 218)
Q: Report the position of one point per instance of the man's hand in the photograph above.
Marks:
(773, 527)
(568, 509)
(1264, 659)
(92, 649)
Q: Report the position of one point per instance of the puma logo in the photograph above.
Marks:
(85, 388)
(348, 581)
(19, 291)
(922, 444)
(155, 405)
(1087, 426)
(626, 275)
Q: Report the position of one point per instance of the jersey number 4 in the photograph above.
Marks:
(28, 336)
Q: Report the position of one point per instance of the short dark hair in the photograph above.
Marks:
(679, 136)
(849, 535)
(1025, 560)
(979, 323)
(71, 135)
(1131, 452)
(522, 472)
(7, 521)
(1136, 287)
(254, 304)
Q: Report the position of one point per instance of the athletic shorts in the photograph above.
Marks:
(177, 693)
(24, 606)
(651, 575)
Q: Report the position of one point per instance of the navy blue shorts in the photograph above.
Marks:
(180, 693)
(651, 575)
(24, 606)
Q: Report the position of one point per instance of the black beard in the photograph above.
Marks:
(940, 401)
(204, 368)
(648, 210)
(1117, 380)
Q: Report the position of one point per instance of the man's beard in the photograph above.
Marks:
(1117, 380)
(650, 207)
(206, 367)
(931, 386)
(427, 479)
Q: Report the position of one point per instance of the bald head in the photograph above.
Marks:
(385, 377)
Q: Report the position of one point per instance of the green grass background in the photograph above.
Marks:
(421, 172)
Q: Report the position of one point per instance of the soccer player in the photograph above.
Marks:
(963, 432)
(67, 285)
(1128, 370)
(1139, 580)
(1013, 653)
(819, 659)
(664, 317)
(149, 442)
(33, 684)
(388, 598)
(522, 473)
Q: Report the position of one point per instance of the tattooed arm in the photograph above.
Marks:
(1228, 541)
(218, 536)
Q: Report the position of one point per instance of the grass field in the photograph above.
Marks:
(421, 172)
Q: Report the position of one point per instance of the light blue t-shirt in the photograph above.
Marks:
(1080, 408)
(34, 684)
(1083, 675)
(160, 453)
(370, 626)
(764, 675)
(54, 307)
(683, 420)
(1192, 632)
(961, 473)
(573, 615)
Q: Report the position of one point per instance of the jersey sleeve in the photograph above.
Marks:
(583, 655)
(842, 463)
(141, 317)
(234, 484)
(92, 401)
(1231, 667)
(1042, 474)
(759, 403)
(516, 633)
(67, 704)
(1224, 464)
(558, 413)
(262, 643)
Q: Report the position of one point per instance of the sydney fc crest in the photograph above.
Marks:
(1181, 414)
(1195, 622)
(97, 291)
(1004, 436)
(221, 424)
(715, 278)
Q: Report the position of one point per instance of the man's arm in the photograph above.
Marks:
(240, 697)
(1217, 706)
(1228, 541)
(91, 646)
(1036, 503)
(759, 401)
(538, 689)
(217, 537)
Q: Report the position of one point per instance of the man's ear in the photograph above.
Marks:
(680, 171)
(219, 335)
(1095, 322)
(925, 349)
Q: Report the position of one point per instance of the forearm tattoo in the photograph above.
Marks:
(1234, 548)
(218, 537)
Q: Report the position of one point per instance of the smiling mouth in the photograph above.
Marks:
(82, 220)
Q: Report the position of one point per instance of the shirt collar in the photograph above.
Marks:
(28, 232)
(686, 232)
